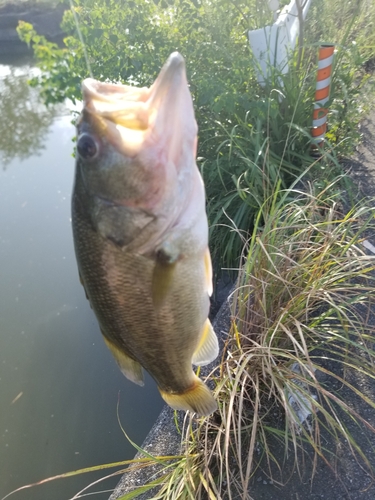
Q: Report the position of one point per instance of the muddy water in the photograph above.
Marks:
(59, 386)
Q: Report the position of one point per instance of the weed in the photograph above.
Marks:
(300, 324)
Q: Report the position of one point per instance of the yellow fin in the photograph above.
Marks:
(161, 282)
(130, 368)
(208, 269)
(166, 260)
(198, 399)
(208, 347)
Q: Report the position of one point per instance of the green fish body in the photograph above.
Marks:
(141, 235)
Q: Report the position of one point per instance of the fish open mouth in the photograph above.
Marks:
(124, 105)
(126, 114)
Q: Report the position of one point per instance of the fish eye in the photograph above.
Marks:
(87, 147)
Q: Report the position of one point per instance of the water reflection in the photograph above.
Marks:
(25, 121)
(59, 384)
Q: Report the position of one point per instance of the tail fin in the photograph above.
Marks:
(197, 398)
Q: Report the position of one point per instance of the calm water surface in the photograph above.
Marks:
(59, 385)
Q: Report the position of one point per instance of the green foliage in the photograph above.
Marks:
(268, 146)
(129, 41)
(250, 138)
(60, 78)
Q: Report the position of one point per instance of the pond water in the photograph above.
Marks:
(59, 385)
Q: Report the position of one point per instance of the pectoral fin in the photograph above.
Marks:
(166, 260)
(130, 368)
(208, 347)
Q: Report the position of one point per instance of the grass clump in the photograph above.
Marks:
(302, 310)
(299, 351)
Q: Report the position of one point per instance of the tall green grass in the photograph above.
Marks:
(271, 144)
(268, 138)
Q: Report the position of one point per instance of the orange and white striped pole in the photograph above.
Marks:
(323, 83)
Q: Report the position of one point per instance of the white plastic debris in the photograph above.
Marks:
(369, 246)
(272, 45)
(300, 402)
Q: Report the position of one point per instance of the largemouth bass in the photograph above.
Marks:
(141, 234)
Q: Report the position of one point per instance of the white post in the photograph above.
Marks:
(272, 44)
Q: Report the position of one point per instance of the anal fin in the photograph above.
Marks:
(129, 367)
(208, 347)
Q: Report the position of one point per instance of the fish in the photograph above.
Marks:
(140, 232)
